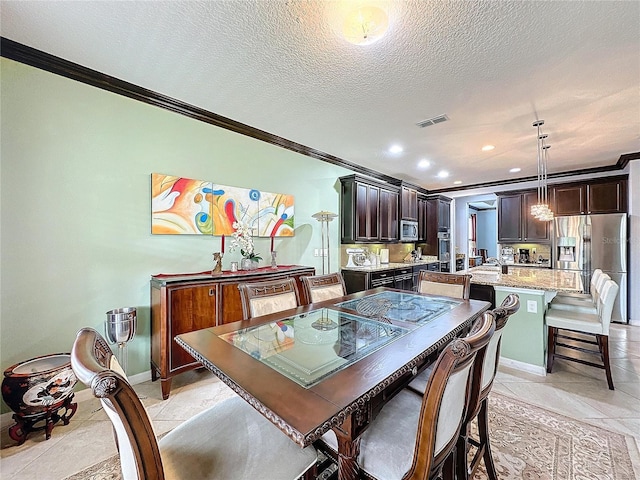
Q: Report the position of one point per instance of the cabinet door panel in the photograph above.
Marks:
(568, 200)
(422, 220)
(388, 215)
(534, 229)
(510, 218)
(606, 197)
(192, 308)
(373, 205)
(362, 212)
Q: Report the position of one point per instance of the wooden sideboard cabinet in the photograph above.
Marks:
(186, 302)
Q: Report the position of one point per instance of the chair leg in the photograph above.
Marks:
(483, 431)
(603, 345)
(449, 467)
(551, 347)
(462, 468)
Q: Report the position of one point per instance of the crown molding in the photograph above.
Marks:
(59, 66)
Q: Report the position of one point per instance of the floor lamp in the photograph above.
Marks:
(325, 217)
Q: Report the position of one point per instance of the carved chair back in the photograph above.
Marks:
(447, 284)
(263, 298)
(96, 367)
(319, 288)
(445, 400)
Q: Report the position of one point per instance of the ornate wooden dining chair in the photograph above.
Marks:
(319, 288)
(227, 441)
(583, 322)
(415, 437)
(484, 372)
(447, 284)
(262, 298)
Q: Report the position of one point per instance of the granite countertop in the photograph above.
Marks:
(389, 266)
(527, 277)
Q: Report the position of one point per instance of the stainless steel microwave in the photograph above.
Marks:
(408, 231)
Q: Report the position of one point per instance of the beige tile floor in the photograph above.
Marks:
(572, 389)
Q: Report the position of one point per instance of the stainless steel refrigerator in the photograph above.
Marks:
(587, 242)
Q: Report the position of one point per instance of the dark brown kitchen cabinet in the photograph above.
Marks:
(438, 220)
(515, 222)
(369, 211)
(422, 219)
(603, 195)
(388, 215)
(188, 302)
(409, 206)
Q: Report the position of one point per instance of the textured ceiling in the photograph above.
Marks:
(282, 66)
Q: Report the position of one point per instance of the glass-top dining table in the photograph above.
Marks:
(332, 365)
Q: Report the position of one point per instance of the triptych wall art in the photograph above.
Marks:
(186, 206)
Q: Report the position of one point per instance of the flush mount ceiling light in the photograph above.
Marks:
(488, 148)
(424, 163)
(443, 174)
(457, 182)
(395, 149)
(365, 25)
(515, 170)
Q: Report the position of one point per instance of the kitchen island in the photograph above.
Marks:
(525, 337)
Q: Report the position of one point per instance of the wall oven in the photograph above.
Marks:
(444, 246)
(408, 231)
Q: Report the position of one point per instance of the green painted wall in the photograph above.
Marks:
(75, 206)
(524, 336)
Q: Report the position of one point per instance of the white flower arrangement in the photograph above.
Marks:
(243, 240)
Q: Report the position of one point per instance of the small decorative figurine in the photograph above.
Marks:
(217, 260)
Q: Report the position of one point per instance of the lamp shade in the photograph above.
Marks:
(365, 25)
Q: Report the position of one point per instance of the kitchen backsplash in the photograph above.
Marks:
(541, 250)
(397, 251)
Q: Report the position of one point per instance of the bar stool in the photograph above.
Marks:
(577, 321)
(583, 299)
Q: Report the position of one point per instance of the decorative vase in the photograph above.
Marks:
(36, 390)
(248, 264)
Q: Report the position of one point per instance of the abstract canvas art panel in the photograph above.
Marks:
(188, 206)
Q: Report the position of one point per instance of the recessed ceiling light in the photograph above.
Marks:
(515, 169)
(443, 174)
(395, 149)
(487, 148)
(424, 163)
(457, 182)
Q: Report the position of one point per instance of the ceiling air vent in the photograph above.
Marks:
(432, 121)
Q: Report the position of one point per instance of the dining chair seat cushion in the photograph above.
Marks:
(217, 444)
(581, 322)
(445, 289)
(320, 294)
(387, 451)
(274, 303)
(387, 446)
(585, 307)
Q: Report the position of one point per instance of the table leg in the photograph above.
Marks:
(348, 451)
(348, 436)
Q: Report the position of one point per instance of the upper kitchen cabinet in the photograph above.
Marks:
(515, 222)
(604, 195)
(422, 218)
(409, 203)
(369, 210)
(438, 220)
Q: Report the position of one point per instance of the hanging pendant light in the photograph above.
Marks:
(541, 210)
